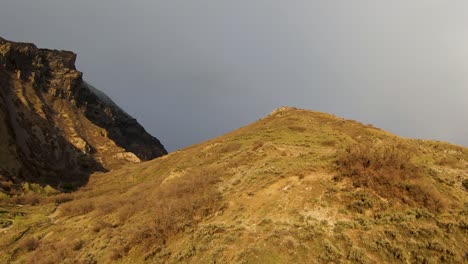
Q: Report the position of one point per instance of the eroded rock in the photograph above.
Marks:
(56, 128)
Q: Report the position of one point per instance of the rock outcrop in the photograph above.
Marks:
(54, 127)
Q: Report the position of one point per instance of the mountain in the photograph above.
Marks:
(294, 187)
(55, 129)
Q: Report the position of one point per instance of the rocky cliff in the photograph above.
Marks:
(57, 129)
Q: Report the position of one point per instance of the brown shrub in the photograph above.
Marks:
(387, 169)
(61, 198)
(426, 195)
(449, 162)
(76, 245)
(6, 186)
(29, 244)
(28, 199)
(465, 184)
(297, 128)
(99, 225)
(370, 164)
(230, 147)
(329, 143)
(257, 145)
(63, 252)
(77, 207)
(108, 206)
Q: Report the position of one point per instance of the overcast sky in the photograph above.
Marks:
(192, 70)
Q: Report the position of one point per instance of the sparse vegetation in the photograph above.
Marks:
(5, 223)
(175, 206)
(78, 207)
(338, 192)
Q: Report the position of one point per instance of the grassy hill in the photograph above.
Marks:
(294, 187)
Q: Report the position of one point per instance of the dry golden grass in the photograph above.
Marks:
(62, 198)
(179, 204)
(230, 147)
(257, 145)
(64, 251)
(169, 208)
(297, 128)
(261, 194)
(78, 207)
(450, 162)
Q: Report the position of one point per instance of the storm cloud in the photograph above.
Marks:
(192, 70)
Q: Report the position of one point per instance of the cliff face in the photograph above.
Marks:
(54, 127)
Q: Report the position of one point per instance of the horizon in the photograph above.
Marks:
(198, 73)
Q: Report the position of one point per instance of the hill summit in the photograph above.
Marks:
(294, 187)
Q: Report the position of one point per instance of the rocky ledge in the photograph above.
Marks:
(54, 127)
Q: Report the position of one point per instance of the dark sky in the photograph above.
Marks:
(192, 70)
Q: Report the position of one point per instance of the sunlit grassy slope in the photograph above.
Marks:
(295, 187)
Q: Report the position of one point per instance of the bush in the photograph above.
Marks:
(297, 128)
(61, 198)
(329, 143)
(6, 186)
(387, 169)
(370, 164)
(99, 225)
(357, 255)
(78, 207)
(29, 244)
(3, 197)
(49, 190)
(63, 252)
(465, 184)
(28, 199)
(361, 203)
(257, 145)
(230, 147)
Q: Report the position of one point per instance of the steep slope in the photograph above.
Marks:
(56, 129)
(294, 187)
